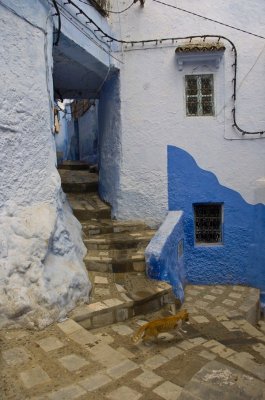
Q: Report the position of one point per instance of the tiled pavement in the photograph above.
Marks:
(221, 356)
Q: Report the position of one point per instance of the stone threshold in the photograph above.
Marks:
(124, 305)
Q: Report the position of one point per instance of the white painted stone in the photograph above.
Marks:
(186, 345)
(217, 291)
(211, 343)
(122, 330)
(69, 326)
(200, 319)
(104, 337)
(72, 362)
(148, 379)
(112, 302)
(120, 288)
(101, 280)
(231, 326)
(171, 352)
(67, 393)
(50, 343)
(16, 355)
(125, 352)
(249, 329)
(33, 377)
(235, 295)
(222, 351)
(198, 341)
(94, 382)
(168, 391)
(124, 392)
(42, 274)
(155, 361)
(141, 322)
(125, 297)
(122, 369)
(228, 302)
(248, 365)
(106, 355)
(83, 337)
(209, 297)
(207, 355)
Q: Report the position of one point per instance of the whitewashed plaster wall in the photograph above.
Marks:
(153, 104)
(42, 275)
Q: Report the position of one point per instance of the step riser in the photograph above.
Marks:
(137, 266)
(124, 312)
(117, 246)
(80, 187)
(99, 231)
(78, 167)
(117, 252)
(83, 215)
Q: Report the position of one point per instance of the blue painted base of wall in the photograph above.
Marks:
(241, 257)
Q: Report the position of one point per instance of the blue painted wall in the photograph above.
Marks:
(164, 256)
(109, 120)
(241, 257)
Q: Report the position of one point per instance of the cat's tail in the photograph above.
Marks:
(136, 337)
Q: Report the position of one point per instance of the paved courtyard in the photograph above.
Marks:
(221, 356)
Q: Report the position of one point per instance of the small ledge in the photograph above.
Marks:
(202, 52)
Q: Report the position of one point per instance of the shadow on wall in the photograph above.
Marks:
(240, 259)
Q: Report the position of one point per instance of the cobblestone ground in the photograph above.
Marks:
(221, 356)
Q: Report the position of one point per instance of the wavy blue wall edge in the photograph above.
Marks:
(241, 257)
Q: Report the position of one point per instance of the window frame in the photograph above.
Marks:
(210, 244)
(199, 96)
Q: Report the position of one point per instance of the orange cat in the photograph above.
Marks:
(153, 328)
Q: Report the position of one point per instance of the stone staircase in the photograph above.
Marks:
(115, 256)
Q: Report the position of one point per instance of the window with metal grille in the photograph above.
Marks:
(208, 223)
(199, 95)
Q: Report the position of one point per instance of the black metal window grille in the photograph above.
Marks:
(208, 223)
(199, 95)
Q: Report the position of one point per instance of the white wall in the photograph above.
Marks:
(42, 274)
(153, 107)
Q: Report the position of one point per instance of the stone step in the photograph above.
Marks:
(125, 240)
(78, 181)
(117, 298)
(103, 226)
(74, 165)
(116, 261)
(88, 206)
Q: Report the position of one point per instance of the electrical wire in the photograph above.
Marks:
(172, 39)
(63, 10)
(209, 19)
(88, 36)
(110, 11)
(175, 39)
(59, 22)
